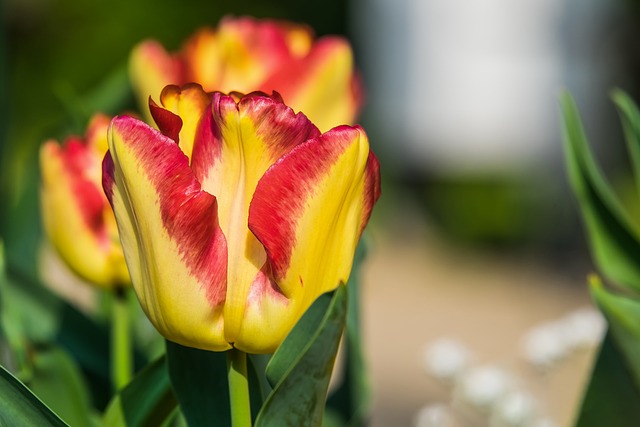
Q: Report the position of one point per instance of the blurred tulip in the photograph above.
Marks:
(237, 214)
(244, 54)
(76, 215)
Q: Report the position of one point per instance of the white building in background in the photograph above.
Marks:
(472, 85)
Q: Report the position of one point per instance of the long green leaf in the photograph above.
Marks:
(351, 401)
(199, 379)
(298, 339)
(147, 401)
(58, 382)
(630, 117)
(259, 387)
(19, 407)
(613, 240)
(612, 396)
(623, 316)
(299, 394)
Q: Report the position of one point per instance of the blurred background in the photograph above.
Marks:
(476, 243)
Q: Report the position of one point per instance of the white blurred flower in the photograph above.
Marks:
(435, 415)
(515, 409)
(484, 386)
(446, 358)
(544, 422)
(545, 344)
(548, 343)
(584, 328)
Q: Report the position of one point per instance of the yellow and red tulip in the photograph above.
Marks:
(315, 76)
(76, 215)
(237, 214)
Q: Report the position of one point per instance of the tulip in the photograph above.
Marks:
(76, 215)
(237, 214)
(315, 76)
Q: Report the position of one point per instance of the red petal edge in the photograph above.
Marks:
(189, 215)
(280, 196)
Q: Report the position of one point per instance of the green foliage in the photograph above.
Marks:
(301, 368)
(349, 404)
(199, 378)
(613, 238)
(58, 381)
(612, 396)
(147, 401)
(19, 407)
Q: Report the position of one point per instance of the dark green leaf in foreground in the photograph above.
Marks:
(612, 397)
(147, 401)
(57, 381)
(21, 408)
(349, 404)
(613, 239)
(199, 379)
(301, 368)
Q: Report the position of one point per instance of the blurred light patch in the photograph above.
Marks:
(469, 85)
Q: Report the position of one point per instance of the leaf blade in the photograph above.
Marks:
(613, 239)
(298, 397)
(19, 407)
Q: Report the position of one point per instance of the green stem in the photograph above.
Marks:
(121, 351)
(238, 388)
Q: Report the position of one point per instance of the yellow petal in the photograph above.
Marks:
(169, 231)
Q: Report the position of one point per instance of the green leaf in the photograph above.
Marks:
(199, 379)
(612, 396)
(613, 239)
(57, 381)
(299, 337)
(630, 117)
(623, 316)
(147, 401)
(259, 387)
(351, 401)
(301, 367)
(19, 407)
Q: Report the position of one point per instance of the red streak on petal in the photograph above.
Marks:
(372, 187)
(281, 195)
(277, 124)
(207, 146)
(78, 161)
(189, 215)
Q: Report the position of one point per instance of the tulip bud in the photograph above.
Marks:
(236, 215)
(315, 76)
(76, 215)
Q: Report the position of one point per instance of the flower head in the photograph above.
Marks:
(76, 215)
(237, 214)
(315, 76)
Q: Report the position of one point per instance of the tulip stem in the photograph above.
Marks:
(238, 388)
(121, 351)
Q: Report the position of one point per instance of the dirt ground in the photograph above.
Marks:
(417, 289)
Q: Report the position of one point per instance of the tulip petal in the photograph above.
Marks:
(189, 103)
(151, 68)
(246, 139)
(168, 123)
(321, 84)
(175, 250)
(76, 216)
(309, 211)
(239, 55)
